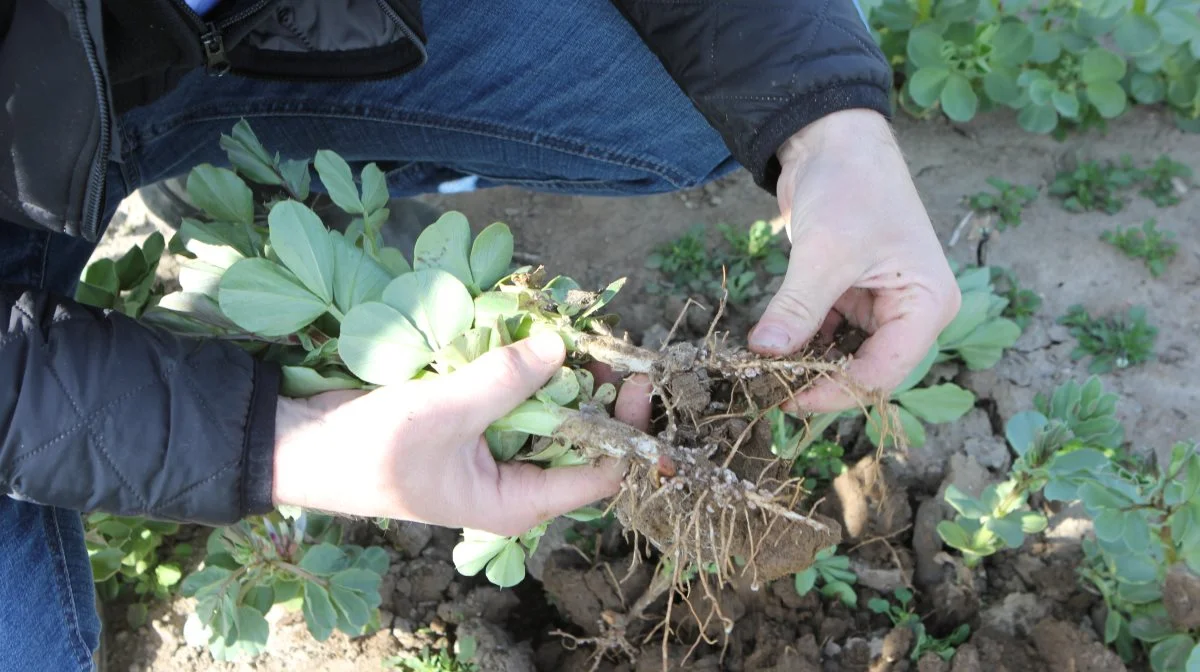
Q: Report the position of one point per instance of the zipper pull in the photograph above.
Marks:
(214, 51)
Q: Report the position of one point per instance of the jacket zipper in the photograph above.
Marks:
(94, 197)
(212, 38)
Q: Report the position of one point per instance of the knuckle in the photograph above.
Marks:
(508, 365)
(792, 305)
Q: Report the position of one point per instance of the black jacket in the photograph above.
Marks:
(103, 413)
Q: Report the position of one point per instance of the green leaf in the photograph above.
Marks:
(926, 84)
(491, 255)
(260, 598)
(842, 591)
(954, 535)
(265, 298)
(1046, 47)
(963, 503)
(1112, 626)
(1193, 660)
(1012, 44)
(1137, 34)
(221, 193)
(1082, 459)
(247, 155)
(910, 427)
(319, 614)
(1171, 654)
(919, 372)
(1136, 569)
(297, 177)
(361, 580)
(168, 574)
(252, 630)
(529, 417)
(301, 382)
(1038, 118)
(135, 615)
(925, 48)
(507, 569)
(339, 181)
(561, 389)
(1066, 103)
(393, 260)
(1009, 531)
(209, 576)
(446, 245)
(357, 278)
(323, 559)
(352, 606)
(878, 605)
(1101, 65)
(1031, 522)
(381, 346)
(106, 563)
(585, 514)
(103, 275)
(303, 244)
(804, 581)
(373, 559)
(374, 188)
(1022, 429)
(1136, 534)
(959, 100)
(1107, 97)
(1001, 87)
(971, 315)
(436, 303)
(476, 550)
(937, 404)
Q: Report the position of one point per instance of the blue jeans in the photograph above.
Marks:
(556, 96)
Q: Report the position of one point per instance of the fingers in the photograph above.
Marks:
(815, 279)
(883, 360)
(633, 402)
(494, 384)
(527, 495)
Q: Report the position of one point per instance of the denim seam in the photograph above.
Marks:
(66, 597)
(425, 120)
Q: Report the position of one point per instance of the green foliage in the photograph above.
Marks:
(1113, 342)
(1006, 202)
(817, 462)
(297, 561)
(833, 571)
(1095, 186)
(1023, 303)
(689, 265)
(460, 660)
(1160, 181)
(1155, 248)
(1058, 64)
(129, 560)
(902, 615)
(128, 284)
(1146, 521)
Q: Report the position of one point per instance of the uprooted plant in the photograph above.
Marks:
(340, 310)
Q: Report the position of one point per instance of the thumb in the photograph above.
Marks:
(497, 382)
(815, 279)
(529, 495)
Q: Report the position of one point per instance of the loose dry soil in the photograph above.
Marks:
(1026, 609)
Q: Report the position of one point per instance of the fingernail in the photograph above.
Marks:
(546, 346)
(769, 337)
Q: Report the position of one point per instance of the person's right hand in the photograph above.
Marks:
(415, 451)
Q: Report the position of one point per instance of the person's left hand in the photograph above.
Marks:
(863, 251)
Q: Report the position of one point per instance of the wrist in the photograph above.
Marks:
(840, 131)
(296, 424)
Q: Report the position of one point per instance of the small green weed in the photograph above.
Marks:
(1114, 341)
(1160, 181)
(687, 264)
(1023, 303)
(1094, 186)
(903, 616)
(128, 559)
(1007, 201)
(460, 660)
(836, 578)
(1155, 248)
(815, 460)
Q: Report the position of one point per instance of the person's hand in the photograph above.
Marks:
(863, 251)
(415, 451)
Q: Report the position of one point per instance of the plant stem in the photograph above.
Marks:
(302, 573)
(1139, 6)
(618, 354)
(337, 314)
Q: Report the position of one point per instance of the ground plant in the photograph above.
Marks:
(1006, 202)
(734, 271)
(1114, 341)
(1165, 181)
(901, 614)
(1144, 556)
(1023, 303)
(834, 574)
(131, 560)
(1155, 248)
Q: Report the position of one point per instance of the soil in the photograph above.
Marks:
(1026, 608)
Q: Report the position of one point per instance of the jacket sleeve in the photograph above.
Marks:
(761, 70)
(102, 413)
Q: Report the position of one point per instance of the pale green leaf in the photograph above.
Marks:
(805, 581)
(323, 559)
(436, 303)
(168, 574)
(339, 181)
(300, 382)
(1172, 653)
(940, 403)
(959, 100)
(963, 503)
(491, 255)
(530, 417)
(1022, 429)
(221, 193)
(446, 244)
(381, 346)
(476, 550)
(374, 188)
(265, 298)
(1108, 98)
(351, 605)
(1137, 34)
(393, 260)
(1101, 65)
(926, 84)
(507, 569)
(561, 389)
(304, 245)
(357, 278)
(319, 614)
(252, 630)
